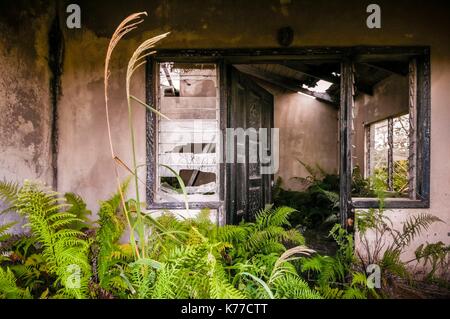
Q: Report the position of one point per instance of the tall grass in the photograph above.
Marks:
(137, 59)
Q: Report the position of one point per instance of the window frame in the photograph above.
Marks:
(419, 99)
(217, 119)
(346, 56)
(151, 87)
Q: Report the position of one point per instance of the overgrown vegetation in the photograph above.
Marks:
(318, 205)
(194, 258)
(384, 245)
(190, 258)
(344, 275)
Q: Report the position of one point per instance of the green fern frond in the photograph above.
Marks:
(65, 250)
(292, 286)
(230, 233)
(293, 236)
(314, 264)
(274, 217)
(78, 208)
(8, 192)
(353, 293)
(331, 293)
(413, 227)
(9, 288)
(359, 278)
(111, 227)
(219, 286)
(4, 235)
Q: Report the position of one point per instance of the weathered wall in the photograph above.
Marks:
(84, 156)
(308, 132)
(25, 120)
(84, 163)
(25, 108)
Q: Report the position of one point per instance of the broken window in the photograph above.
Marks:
(188, 141)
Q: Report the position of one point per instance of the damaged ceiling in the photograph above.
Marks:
(308, 77)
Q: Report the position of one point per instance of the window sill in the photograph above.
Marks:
(395, 203)
(182, 205)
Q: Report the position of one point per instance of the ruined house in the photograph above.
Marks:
(341, 94)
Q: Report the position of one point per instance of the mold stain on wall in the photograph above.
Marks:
(55, 64)
(24, 95)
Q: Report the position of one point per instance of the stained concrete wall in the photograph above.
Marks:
(84, 157)
(25, 111)
(83, 161)
(25, 103)
(308, 132)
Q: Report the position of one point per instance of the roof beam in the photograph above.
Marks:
(316, 73)
(286, 83)
(390, 67)
(311, 71)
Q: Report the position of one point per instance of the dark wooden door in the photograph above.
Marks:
(250, 107)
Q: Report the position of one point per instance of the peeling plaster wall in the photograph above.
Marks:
(24, 95)
(84, 165)
(25, 113)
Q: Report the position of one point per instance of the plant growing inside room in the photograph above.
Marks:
(338, 277)
(318, 204)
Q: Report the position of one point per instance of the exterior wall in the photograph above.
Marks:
(84, 165)
(25, 120)
(25, 108)
(84, 157)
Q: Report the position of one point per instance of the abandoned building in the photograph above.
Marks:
(345, 98)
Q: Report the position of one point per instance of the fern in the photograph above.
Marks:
(8, 192)
(435, 254)
(353, 293)
(4, 235)
(219, 286)
(109, 231)
(9, 288)
(412, 228)
(110, 256)
(293, 287)
(64, 250)
(78, 208)
(142, 279)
